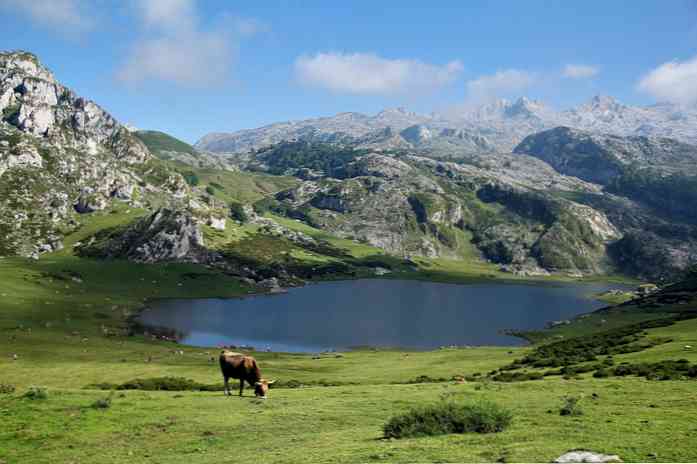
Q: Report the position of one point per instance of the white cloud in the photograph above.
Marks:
(168, 14)
(674, 82)
(579, 71)
(176, 47)
(192, 58)
(367, 73)
(66, 15)
(499, 84)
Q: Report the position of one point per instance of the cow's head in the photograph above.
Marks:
(261, 387)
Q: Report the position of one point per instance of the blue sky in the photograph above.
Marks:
(190, 67)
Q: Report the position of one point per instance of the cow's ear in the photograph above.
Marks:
(257, 383)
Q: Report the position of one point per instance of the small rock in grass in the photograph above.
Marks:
(586, 456)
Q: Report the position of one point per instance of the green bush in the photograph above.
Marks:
(159, 384)
(570, 407)
(517, 376)
(36, 393)
(445, 418)
(191, 178)
(427, 379)
(103, 403)
(662, 370)
(237, 212)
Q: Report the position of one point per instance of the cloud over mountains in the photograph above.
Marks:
(674, 82)
(368, 73)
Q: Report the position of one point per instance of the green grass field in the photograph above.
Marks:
(63, 326)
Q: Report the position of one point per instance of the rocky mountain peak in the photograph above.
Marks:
(82, 158)
(603, 103)
(396, 111)
(524, 107)
(32, 101)
(24, 62)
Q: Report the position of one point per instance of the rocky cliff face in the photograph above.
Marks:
(61, 156)
(165, 235)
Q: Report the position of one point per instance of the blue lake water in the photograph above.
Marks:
(378, 313)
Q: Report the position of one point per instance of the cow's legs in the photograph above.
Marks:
(227, 386)
(241, 386)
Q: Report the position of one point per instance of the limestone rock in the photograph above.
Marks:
(165, 235)
(586, 456)
(217, 223)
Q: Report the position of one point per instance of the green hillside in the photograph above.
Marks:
(158, 142)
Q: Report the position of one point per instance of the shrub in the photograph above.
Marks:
(427, 379)
(585, 348)
(446, 417)
(210, 190)
(601, 373)
(692, 371)
(36, 393)
(237, 212)
(662, 370)
(570, 407)
(517, 376)
(158, 384)
(6, 389)
(191, 178)
(103, 403)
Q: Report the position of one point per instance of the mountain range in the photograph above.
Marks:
(502, 187)
(496, 126)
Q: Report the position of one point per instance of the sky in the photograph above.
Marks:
(190, 67)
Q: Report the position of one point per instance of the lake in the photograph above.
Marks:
(373, 312)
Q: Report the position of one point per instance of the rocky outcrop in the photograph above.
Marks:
(165, 235)
(577, 456)
(377, 165)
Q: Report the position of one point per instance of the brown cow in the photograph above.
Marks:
(244, 368)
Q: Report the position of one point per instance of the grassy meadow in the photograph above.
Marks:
(64, 327)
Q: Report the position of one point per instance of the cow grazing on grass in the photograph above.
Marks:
(245, 369)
